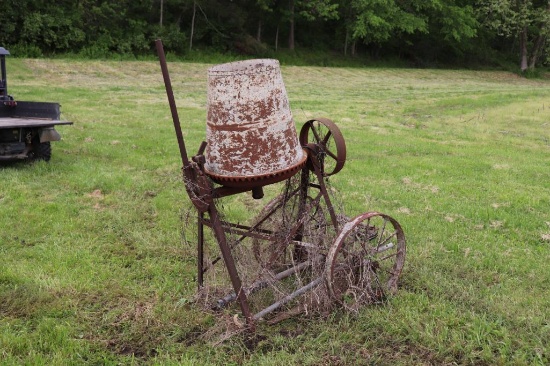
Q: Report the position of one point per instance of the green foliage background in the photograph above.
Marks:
(419, 33)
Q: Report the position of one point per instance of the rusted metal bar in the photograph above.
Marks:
(200, 250)
(261, 234)
(230, 265)
(302, 205)
(288, 298)
(258, 285)
(172, 102)
(326, 196)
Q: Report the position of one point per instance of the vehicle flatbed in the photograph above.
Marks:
(20, 122)
(27, 128)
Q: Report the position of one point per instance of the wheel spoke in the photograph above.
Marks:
(318, 138)
(382, 243)
(326, 140)
(388, 256)
(377, 286)
(331, 154)
(382, 232)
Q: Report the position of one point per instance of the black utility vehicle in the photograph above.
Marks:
(26, 128)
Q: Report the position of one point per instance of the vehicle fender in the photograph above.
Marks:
(49, 134)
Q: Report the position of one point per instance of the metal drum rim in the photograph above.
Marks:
(243, 67)
(259, 180)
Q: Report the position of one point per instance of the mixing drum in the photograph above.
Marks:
(250, 132)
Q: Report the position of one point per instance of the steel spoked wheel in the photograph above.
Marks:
(365, 261)
(330, 145)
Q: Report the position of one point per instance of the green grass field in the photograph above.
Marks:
(94, 268)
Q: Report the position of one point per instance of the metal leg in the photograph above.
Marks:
(200, 250)
(316, 282)
(217, 228)
(324, 192)
(299, 252)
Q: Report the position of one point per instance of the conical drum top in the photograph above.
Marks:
(250, 132)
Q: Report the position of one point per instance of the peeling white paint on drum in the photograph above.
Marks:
(250, 130)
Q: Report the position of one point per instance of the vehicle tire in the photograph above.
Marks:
(42, 151)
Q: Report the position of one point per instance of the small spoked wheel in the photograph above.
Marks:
(365, 261)
(329, 144)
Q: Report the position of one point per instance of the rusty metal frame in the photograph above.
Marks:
(202, 193)
(200, 187)
(254, 232)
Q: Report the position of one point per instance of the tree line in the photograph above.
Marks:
(421, 32)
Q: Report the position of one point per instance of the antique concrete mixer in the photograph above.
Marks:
(298, 248)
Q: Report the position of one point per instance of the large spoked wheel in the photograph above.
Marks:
(365, 261)
(329, 142)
